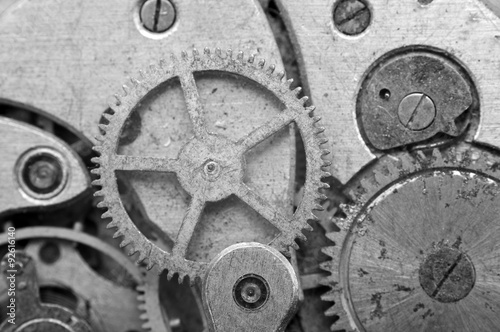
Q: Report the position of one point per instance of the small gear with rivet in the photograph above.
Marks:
(209, 167)
(418, 248)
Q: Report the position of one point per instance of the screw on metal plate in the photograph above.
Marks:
(157, 15)
(416, 111)
(447, 275)
(351, 17)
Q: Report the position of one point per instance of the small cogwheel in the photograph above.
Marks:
(210, 167)
(418, 249)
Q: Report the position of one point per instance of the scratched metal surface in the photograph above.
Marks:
(333, 65)
(68, 65)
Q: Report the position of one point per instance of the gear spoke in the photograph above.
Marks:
(189, 223)
(193, 103)
(265, 131)
(148, 164)
(261, 206)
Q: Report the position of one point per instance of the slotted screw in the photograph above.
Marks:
(351, 17)
(157, 15)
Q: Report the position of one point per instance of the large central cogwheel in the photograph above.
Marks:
(209, 167)
(418, 249)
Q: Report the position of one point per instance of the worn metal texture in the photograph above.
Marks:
(32, 315)
(211, 166)
(25, 141)
(334, 65)
(410, 97)
(106, 304)
(258, 262)
(418, 250)
(73, 55)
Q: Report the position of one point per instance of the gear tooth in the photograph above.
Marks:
(262, 63)
(289, 81)
(240, 56)
(97, 183)
(438, 157)
(324, 185)
(304, 100)
(103, 127)
(142, 257)
(173, 58)
(322, 197)
(96, 160)
(134, 82)
(320, 130)
(106, 215)
(96, 171)
(325, 152)
(195, 53)
(336, 237)
(170, 275)
(150, 265)
(295, 246)
(308, 227)
(100, 138)
(117, 101)
(112, 224)
(316, 119)
(251, 58)
(118, 234)
(297, 91)
(218, 52)
(318, 207)
(327, 163)
(184, 55)
(421, 156)
(97, 148)
(101, 204)
(132, 251)
(107, 116)
(126, 90)
(281, 75)
(271, 69)
(163, 63)
(125, 243)
(310, 109)
(180, 279)
(206, 51)
(313, 217)
(229, 53)
(141, 289)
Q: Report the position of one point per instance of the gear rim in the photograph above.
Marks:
(366, 190)
(248, 68)
(147, 284)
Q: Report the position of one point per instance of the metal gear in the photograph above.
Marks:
(100, 311)
(418, 249)
(209, 167)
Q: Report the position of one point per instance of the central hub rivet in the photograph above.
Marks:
(251, 292)
(211, 169)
